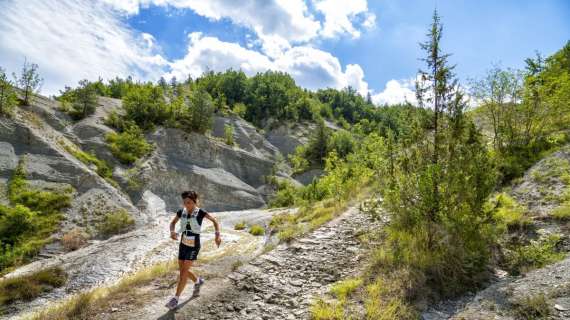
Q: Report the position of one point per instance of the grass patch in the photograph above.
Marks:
(335, 310)
(103, 169)
(532, 308)
(341, 290)
(552, 168)
(26, 288)
(322, 310)
(240, 225)
(508, 212)
(115, 222)
(257, 230)
(87, 305)
(74, 239)
(308, 218)
(537, 254)
(562, 212)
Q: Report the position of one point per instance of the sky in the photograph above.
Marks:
(369, 45)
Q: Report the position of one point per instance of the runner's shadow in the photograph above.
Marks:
(170, 314)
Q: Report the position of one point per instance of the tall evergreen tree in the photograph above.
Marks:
(441, 181)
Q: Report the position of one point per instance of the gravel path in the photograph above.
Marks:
(280, 284)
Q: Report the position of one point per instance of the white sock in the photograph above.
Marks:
(176, 297)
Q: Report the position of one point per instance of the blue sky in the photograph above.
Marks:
(370, 45)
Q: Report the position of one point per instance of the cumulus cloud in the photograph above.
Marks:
(77, 39)
(396, 91)
(310, 67)
(71, 40)
(341, 15)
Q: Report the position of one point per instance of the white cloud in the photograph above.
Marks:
(311, 68)
(209, 53)
(340, 15)
(71, 40)
(396, 91)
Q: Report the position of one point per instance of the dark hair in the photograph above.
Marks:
(190, 194)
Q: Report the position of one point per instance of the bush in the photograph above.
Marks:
(103, 169)
(531, 308)
(240, 225)
(115, 222)
(286, 196)
(129, 145)
(229, 134)
(74, 239)
(25, 288)
(509, 212)
(537, 254)
(257, 230)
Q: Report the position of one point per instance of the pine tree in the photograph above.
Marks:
(441, 180)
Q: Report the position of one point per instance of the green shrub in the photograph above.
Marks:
(343, 289)
(129, 145)
(537, 254)
(26, 227)
(25, 288)
(508, 212)
(257, 230)
(115, 223)
(286, 196)
(229, 134)
(240, 225)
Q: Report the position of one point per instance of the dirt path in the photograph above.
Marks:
(279, 284)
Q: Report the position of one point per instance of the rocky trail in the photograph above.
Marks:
(103, 263)
(280, 284)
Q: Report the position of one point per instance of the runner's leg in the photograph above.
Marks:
(183, 278)
(191, 274)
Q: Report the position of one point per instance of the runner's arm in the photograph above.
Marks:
(173, 233)
(216, 226)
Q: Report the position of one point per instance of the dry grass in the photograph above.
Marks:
(25, 288)
(87, 304)
(74, 239)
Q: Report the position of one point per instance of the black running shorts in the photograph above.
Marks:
(187, 253)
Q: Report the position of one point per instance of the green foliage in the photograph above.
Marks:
(286, 196)
(29, 81)
(83, 99)
(28, 287)
(8, 98)
(35, 215)
(240, 225)
(145, 105)
(438, 185)
(521, 259)
(257, 230)
(115, 222)
(322, 310)
(129, 145)
(526, 110)
(508, 212)
(229, 134)
(199, 115)
(562, 212)
(341, 290)
(103, 169)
